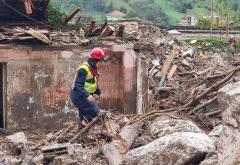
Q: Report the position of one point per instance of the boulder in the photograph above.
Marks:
(215, 135)
(178, 148)
(163, 126)
(229, 100)
(39, 159)
(17, 138)
(211, 159)
(17, 143)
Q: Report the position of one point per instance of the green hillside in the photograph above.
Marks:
(158, 11)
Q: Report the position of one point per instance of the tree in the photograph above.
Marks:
(150, 12)
(182, 5)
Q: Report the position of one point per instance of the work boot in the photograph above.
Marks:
(82, 124)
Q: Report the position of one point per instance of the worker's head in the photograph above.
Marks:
(98, 54)
(231, 36)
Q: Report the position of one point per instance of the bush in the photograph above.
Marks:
(55, 16)
(206, 23)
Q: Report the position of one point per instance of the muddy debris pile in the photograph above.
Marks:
(111, 139)
(184, 123)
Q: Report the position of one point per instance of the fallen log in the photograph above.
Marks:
(114, 151)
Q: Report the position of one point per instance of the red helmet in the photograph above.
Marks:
(99, 53)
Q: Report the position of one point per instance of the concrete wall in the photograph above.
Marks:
(38, 85)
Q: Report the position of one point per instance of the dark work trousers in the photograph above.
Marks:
(87, 110)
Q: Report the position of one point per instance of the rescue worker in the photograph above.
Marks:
(85, 86)
(232, 42)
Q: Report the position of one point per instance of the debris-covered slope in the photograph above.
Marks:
(184, 82)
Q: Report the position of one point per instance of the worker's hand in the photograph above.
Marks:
(91, 98)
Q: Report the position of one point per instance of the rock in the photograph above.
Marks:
(185, 63)
(27, 158)
(17, 143)
(188, 53)
(229, 100)
(64, 160)
(164, 126)
(211, 159)
(215, 135)
(9, 160)
(175, 32)
(1, 154)
(177, 148)
(193, 41)
(17, 138)
(39, 159)
(85, 155)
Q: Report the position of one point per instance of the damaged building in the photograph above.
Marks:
(36, 78)
(165, 98)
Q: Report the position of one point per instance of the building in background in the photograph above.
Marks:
(188, 20)
(115, 16)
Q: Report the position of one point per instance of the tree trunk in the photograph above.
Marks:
(120, 145)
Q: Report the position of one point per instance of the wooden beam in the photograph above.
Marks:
(166, 66)
(72, 14)
(92, 26)
(107, 31)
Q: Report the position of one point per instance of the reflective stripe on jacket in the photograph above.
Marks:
(90, 84)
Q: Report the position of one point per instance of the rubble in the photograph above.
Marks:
(184, 81)
(177, 148)
(230, 135)
(17, 138)
(211, 159)
(163, 126)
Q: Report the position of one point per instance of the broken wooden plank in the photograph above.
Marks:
(107, 31)
(172, 71)
(72, 14)
(166, 66)
(36, 34)
(92, 26)
(111, 127)
(97, 31)
(78, 20)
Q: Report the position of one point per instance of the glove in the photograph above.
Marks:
(98, 92)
